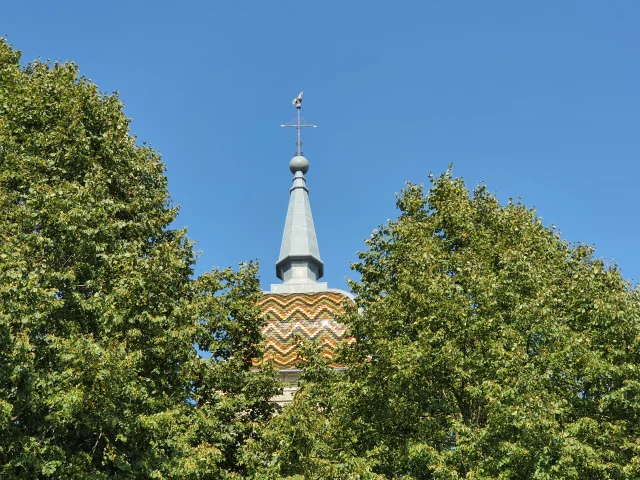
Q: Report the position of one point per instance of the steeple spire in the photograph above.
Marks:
(299, 265)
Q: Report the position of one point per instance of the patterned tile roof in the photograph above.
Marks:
(310, 316)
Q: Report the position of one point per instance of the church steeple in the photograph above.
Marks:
(300, 307)
(299, 265)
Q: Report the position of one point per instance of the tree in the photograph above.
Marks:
(99, 315)
(486, 347)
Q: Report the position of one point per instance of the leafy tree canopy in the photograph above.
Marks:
(99, 315)
(486, 347)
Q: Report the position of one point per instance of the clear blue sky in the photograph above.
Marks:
(539, 99)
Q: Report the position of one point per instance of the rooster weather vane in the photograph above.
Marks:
(300, 123)
(298, 101)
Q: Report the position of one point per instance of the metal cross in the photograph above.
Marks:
(301, 123)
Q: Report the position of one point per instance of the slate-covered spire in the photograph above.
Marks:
(299, 265)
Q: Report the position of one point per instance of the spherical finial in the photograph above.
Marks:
(299, 164)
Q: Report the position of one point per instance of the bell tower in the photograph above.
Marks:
(301, 306)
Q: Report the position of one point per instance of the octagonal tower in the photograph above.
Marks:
(300, 306)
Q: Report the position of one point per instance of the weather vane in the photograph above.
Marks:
(301, 123)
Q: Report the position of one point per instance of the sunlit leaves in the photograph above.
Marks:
(486, 347)
(100, 317)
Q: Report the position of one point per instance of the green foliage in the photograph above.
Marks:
(99, 315)
(486, 347)
(302, 442)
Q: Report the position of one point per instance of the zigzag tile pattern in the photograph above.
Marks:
(309, 316)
